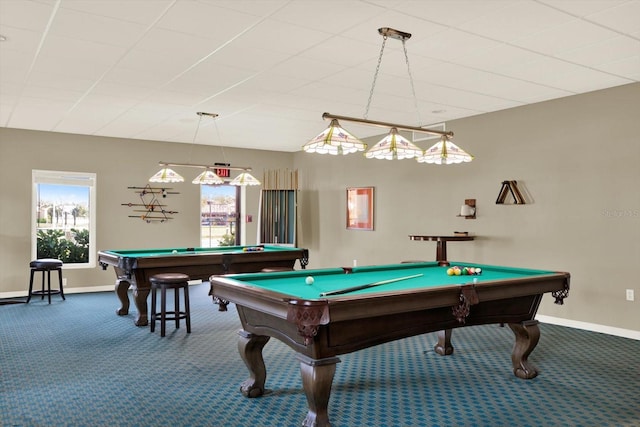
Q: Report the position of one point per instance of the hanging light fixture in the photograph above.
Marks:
(445, 152)
(208, 176)
(334, 140)
(245, 178)
(166, 175)
(394, 145)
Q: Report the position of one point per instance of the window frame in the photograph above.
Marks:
(83, 179)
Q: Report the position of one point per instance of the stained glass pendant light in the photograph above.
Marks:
(445, 152)
(334, 140)
(245, 178)
(166, 175)
(208, 177)
(394, 147)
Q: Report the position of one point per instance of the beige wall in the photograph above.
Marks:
(577, 159)
(118, 164)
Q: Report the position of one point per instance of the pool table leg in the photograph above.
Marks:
(527, 335)
(317, 377)
(122, 289)
(140, 300)
(444, 347)
(250, 347)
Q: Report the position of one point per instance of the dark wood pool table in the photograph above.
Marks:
(135, 267)
(426, 299)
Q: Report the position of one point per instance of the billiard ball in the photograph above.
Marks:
(309, 280)
(175, 251)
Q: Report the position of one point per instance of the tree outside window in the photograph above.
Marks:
(64, 217)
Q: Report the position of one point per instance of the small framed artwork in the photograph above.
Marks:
(360, 208)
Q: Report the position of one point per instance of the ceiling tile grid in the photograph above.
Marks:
(143, 68)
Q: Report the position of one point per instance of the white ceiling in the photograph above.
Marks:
(143, 68)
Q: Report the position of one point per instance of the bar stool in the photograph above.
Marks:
(175, 281)
(46, 265)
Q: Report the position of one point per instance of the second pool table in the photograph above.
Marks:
(135, 267)
(319, 327)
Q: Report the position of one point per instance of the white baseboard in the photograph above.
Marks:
(593, 327)
(82, 290)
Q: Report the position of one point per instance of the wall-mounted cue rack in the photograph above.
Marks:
(150, 207)
(510, 187)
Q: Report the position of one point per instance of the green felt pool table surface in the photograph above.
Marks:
(431, 274)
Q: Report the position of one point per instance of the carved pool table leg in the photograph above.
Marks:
(527, 335)
(122, 288)
(250, 347)
(444, 347)
(317, 377)
(140, 299)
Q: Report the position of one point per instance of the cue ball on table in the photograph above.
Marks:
(309, 280)
(174, 251)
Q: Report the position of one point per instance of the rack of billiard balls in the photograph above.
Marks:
(463, 271)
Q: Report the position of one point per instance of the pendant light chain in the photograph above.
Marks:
(375, 77)
(413, 89)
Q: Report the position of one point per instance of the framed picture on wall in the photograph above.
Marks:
(360, 208)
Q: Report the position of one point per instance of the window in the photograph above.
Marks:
(219, 214)
(64, 217)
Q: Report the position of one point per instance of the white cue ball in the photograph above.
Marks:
(309, 280)
(174, 251)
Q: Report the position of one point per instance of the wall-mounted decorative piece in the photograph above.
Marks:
(360, 208)
(468, 210)
(510, 187)
(152, 210)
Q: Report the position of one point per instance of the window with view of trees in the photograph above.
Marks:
(64, 217)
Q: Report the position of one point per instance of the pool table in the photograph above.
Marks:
(393, 302)
(135, 267)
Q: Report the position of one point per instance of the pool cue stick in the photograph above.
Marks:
(368, 285)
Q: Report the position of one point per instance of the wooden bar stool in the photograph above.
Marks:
(46, 265)
(175, 281)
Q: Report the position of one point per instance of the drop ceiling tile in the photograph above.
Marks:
(560, 74)
(278, 37)
(199, 19)
(172, 44)
(627, 67)
(251, 7)
(138, 11)
(623, 18)
(332, 51)
(65, 48)
(327, 17)
(583, 8)
(568, 36)
(497, 59)
(143, 79)
(450, 12)
(26, 15)
(604, 51)
(99, 29)
(450, 44)
(517, 20)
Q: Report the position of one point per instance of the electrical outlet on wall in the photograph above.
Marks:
(630, 295)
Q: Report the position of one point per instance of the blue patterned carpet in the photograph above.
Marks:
(75, 363)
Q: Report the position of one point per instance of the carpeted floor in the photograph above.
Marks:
(76, 363)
